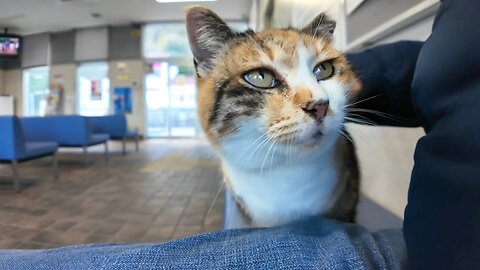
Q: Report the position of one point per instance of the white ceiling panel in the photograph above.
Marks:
(36, 16)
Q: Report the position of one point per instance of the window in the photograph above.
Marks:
(167, 40)
(36, 91)
(93, 89)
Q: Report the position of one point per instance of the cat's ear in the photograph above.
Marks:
(321, 26)
(207, 35)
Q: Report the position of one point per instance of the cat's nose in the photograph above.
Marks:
(317, 109)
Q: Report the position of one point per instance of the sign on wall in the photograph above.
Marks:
(122, 100)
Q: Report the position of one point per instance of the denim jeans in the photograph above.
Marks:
(315, 243)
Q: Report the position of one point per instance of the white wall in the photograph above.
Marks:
(419, 31)
(303, 11)
(130, 73)
(91, 44)
(298, 13)
(13, 81)
(385, 155)
(2, 82)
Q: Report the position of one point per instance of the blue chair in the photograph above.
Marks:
(15, 148)
(116, 127)
(67, 131)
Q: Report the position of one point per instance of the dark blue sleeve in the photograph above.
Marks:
(386, 74)
(442, 219)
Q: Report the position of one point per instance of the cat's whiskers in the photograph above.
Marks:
(281, 132)
(346, 136)
(248, 148)
(281, 125)
(258, 146)
(283, 128)
(359, 101)
(378, 113)
(210, 208)
(266, 155)
(363, 136)
(272, 140)
(271, 158)
(361, 120)
(289, 149)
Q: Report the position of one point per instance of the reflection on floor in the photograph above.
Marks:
(168, 190)
(163, 192)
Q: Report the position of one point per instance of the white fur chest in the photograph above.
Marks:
(286, 193)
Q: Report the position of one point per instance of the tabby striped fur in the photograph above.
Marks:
(279, 162)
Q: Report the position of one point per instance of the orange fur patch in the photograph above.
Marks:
(266, 50)
(302, 96)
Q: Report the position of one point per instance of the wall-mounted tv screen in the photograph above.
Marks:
(10, 46)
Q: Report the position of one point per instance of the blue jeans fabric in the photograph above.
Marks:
(316, 243)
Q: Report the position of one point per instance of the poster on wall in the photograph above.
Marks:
(122, 100)
(96, 90)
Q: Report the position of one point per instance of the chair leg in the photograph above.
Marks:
(124, 146)
(55, 165)
(137, 148)
(85, 157)
(16, 179)
(106, 151)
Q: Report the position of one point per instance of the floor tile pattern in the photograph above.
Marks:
(165, 191)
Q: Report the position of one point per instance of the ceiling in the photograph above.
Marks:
(37, 16)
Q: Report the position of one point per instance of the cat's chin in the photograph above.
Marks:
(316, 139)
(310, 144)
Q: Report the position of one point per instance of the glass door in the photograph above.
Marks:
(93, 89)
(35, 88)
(171, 99)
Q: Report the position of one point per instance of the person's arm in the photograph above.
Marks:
(385, 73)
(442, 218)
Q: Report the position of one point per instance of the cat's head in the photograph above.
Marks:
(287, 86)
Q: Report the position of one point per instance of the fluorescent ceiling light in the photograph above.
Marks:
(179, 1)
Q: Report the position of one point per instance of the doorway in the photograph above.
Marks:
(170, 97)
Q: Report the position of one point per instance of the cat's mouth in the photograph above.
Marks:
(312, 140)
(305, 132)
(317, 135)
(301, 137)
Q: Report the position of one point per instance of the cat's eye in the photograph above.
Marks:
(261, 78)
(323, 71)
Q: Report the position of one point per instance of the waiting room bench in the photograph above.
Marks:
(66, 130)
(116, 127)
(15, 147)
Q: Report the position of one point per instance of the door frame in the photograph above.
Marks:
(185, 61)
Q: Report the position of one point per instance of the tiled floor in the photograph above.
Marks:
(163, 192)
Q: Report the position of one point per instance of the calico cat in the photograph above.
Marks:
(272, 105)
